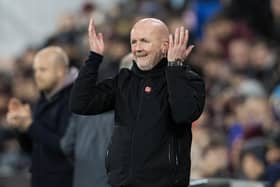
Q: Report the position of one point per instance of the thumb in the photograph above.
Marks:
(27, 108)
(188, 51)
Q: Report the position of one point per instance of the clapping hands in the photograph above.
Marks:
(19, 115)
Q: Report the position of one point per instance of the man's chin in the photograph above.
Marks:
(145, 68)
(41, 88)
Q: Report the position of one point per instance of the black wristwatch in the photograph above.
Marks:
(176, 62)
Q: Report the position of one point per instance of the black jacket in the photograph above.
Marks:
(154, 110)
(50, 167)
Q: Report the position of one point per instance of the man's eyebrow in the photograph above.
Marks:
(141, 39)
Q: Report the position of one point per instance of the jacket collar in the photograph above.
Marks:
(69, 79)
(154, 72)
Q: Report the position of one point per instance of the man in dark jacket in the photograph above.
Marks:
(49, 120)
(155, 104)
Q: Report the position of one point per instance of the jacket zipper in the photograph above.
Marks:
(133, 133)
(176, 152)
(171, 152)
(173, 157)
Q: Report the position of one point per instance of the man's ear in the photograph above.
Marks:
(164, 48)
(61, 71)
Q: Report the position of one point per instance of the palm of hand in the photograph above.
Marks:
(178, 48)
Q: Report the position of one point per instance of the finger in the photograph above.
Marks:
(91, 28)
(170, 45)
(27, 108)
(100, 37)
(182, 35)
(186, 38)
(11, 118)
(188, 51)
(8, 117)
(176, 37)
(14, 104)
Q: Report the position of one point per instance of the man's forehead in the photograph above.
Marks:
(44, 60)
(151, 21)
(147, 26)
(150, 26)
(146, 34)
(142, 30)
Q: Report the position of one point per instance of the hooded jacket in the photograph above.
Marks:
(154, 110)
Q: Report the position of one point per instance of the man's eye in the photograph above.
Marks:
(145, 41)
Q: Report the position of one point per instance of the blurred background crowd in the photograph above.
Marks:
(237, 51)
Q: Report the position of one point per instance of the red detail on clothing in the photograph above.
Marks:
(148, 89)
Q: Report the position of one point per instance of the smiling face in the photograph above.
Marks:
(149, 42)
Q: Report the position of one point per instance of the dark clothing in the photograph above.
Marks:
(154, 109)
(86, 140)
(50, 119)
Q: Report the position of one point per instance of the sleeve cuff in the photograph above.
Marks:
(30, 131)
(93, 56)
(94, 59)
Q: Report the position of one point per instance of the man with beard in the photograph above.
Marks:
(155, 104)
(40, 131)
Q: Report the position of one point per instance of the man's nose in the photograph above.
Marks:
(138, 47)
(36, 75)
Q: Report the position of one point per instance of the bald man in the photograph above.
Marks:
(40, 131)
(155, 104)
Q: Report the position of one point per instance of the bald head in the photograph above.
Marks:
(54, 55)
(154, 24)
(149, 42)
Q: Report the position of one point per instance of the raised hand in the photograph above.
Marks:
(177, 48)
(96, 42)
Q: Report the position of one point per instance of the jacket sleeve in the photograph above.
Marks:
(88, 97)
(25, 142)
(39, 132)
(186, 94)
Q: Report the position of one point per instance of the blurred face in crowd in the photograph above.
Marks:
(252, 167)
(273, 154)
(277, 184)
(211, 166)
(239, 50)
(260, 55)
(49, 68)
(149, 42)
(25, 89)
(275, 7)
